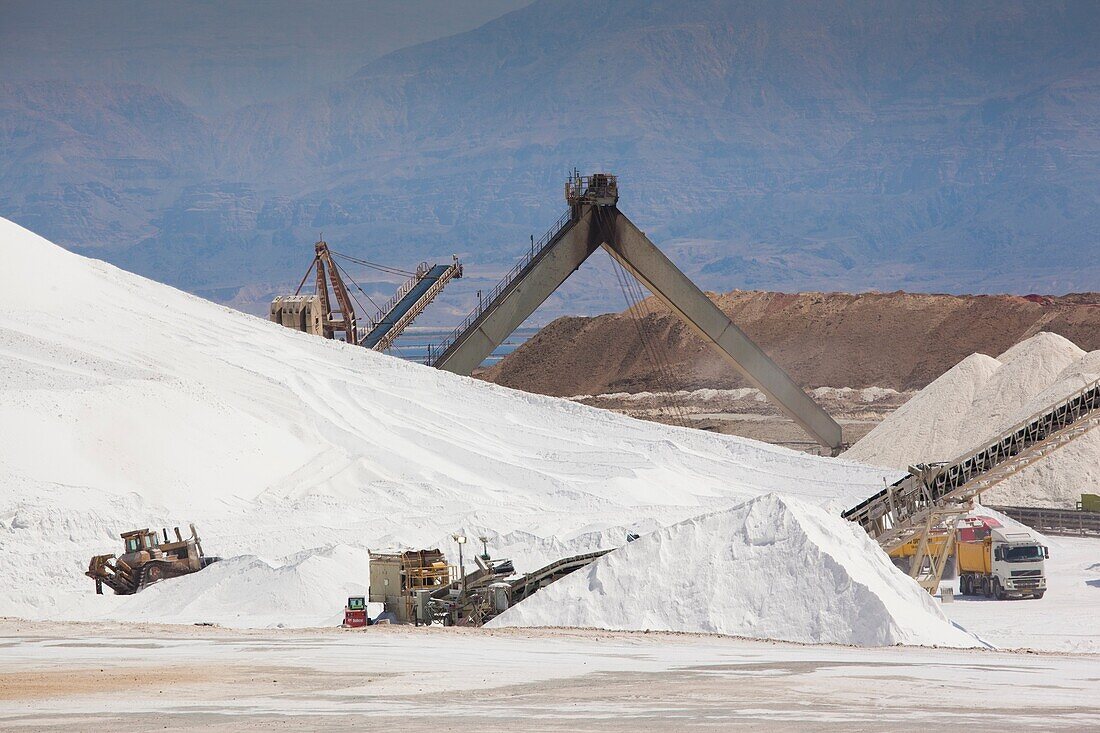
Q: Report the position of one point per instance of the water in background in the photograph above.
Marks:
(413, 344)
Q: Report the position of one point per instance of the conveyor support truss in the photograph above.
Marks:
(943, 491)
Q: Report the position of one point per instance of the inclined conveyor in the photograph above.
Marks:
(409, 302)
(903, 510)
(592, 222)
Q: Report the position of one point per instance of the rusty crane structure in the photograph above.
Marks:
(333, 315)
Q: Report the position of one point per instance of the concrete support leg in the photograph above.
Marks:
(627, 244)
(531, 290)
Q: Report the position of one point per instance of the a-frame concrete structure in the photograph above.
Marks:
(594, 221)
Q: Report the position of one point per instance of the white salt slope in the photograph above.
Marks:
(128, 404)
(1027, 369)
(1061, 477)
(773, 568)
(931, 425)
(306, 589)
(981, 397)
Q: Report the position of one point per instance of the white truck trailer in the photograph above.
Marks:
(1007, 563)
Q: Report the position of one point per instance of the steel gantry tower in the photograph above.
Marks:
(594, 221)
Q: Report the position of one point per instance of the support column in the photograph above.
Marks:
(641, 258)
(530, 290)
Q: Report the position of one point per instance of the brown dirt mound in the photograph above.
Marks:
(898, 340)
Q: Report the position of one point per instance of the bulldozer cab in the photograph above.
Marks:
(357, 603)
(140, 539)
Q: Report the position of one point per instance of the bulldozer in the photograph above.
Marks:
(148, 558)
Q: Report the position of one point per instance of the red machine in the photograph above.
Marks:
(976, 528)
(355, 613)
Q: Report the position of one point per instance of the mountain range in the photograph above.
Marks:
(842, 145)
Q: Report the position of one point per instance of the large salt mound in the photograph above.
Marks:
(1062, 476)
(932, 424)
(128, 404)
(773, 568)
(980, 398)
(1027, 369)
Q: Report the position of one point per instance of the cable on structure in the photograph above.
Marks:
(374, 265)
(658, 358)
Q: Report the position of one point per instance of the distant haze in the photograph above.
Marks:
(843, 145)
(218, 55)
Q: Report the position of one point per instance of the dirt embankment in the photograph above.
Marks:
(897, 340)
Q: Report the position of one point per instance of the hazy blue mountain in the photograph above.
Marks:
(219, 55)
(844, 145)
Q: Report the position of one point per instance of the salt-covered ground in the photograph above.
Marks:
(1063, 620)
(138, 678)
(981, 397)
(129, 404)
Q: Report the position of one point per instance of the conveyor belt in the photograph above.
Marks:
(531, 582)
(899, 512)
(409, 302)
(472, 607)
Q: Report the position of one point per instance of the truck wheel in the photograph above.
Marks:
(997, 592)
(1038, 594)
(964, 585)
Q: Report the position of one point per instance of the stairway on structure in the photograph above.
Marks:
(504, 286)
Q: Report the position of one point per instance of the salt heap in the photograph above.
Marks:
(979, 398)
(128, 404)
(771, 568)
(923, 427)
(305, 589)
(1027, 369)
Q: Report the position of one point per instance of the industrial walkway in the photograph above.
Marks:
(440, 353)
(410, 300)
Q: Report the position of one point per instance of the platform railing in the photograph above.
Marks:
(421, 270)
(487, 302)
(419, 307)
(1052, 520)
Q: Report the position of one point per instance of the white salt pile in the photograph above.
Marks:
(930, 423)
(979, 398)
(127, 404)
(773, 568)
(1027, 369)
(307, 589)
